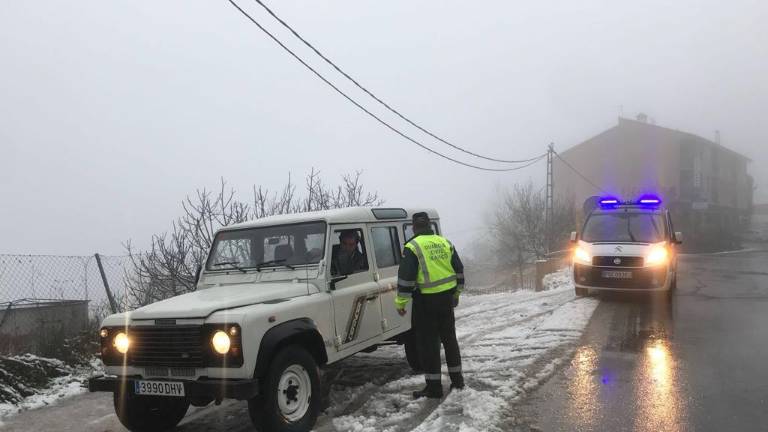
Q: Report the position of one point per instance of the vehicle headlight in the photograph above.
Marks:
(582, 256)
(121, 342)
(221, 342)
(656, 256)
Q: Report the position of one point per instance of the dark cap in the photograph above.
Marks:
(420, 220)
(349, 234)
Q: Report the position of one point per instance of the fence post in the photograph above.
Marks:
(542, 269)
(112, 303)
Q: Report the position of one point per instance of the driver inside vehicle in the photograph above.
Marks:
(347, 257)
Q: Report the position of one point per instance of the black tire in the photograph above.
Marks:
(149, 413)
(412, 352)
(265, 411)
(581, 292)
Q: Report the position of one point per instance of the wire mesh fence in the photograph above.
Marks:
(53, 277)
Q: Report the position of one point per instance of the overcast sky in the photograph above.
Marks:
(112, 111)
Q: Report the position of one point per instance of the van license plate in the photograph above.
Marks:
(158, 388)
(613, 274)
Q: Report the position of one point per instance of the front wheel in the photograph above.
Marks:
(149, 413)
(291, 398)
(581, 292)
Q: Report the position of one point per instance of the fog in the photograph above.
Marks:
(112, 112)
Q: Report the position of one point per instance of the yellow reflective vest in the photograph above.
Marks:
(434, 253)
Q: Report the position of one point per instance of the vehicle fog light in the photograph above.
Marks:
(121, 343)
(221, 342)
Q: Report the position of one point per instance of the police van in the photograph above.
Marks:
(626, 246)
(277, 299)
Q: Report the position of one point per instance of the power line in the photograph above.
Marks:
(374, 116)
(394, 111)
(579, 173)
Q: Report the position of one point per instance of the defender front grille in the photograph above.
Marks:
(172, 346)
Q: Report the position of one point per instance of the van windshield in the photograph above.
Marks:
(282, 245)
(624, 227)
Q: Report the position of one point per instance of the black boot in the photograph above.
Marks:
(457, 381)
(432, 391)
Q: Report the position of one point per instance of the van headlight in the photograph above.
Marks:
(221, 342)
(581, 256)
(658, 255)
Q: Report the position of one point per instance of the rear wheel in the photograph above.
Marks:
(581, 292)
(291, 398)
(149, 413)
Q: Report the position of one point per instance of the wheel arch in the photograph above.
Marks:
(301, 331)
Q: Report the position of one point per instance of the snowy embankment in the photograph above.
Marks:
(28, 382)
(510, 344)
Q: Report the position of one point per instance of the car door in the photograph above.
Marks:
(386, 245)
(355, 295)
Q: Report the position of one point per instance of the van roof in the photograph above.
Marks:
(343, 215)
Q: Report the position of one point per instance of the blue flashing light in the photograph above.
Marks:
(609, 201)
(649, 200)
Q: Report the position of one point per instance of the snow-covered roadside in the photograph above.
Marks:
(510, 344)
(73, 381)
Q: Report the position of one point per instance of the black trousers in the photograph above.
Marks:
(434, 323)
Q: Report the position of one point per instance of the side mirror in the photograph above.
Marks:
(574, 236)
(336, 279)
(678, 237)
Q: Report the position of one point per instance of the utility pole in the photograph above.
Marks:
(549, 205)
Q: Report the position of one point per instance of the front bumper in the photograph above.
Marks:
(643, 279)
(201, 388)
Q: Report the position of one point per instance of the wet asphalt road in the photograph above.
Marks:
(699, 363)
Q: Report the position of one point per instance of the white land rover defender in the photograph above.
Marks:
(276, 300)
(626, 246)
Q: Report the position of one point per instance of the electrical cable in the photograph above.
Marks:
(374, 116)
(579, 173)
(394, 111)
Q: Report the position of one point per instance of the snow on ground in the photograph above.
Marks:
(511, 343)
(72, 382)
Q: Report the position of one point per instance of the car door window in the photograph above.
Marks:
(348, 252)
(386, 246)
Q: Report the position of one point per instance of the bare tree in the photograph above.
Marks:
(520, 227)
(169, 266)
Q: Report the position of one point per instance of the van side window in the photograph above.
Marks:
(408, 230)
(386, 246)
(348, 252)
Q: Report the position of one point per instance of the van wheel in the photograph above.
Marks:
(581, 292)
(291, 398)
(412, 352)
(149, 413)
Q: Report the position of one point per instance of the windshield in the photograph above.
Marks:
(287, 245)
(624, 227)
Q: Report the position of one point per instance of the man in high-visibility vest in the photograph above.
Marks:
(431, 267)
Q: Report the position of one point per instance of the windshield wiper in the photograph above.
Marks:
(232, 263)
(275, 261)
